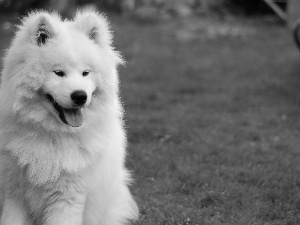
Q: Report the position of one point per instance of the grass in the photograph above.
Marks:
(213, 123)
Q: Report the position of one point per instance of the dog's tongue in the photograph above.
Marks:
(73, 117)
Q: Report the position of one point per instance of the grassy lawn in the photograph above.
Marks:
(213, 122)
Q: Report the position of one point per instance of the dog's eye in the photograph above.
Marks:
(85, 73)
(59, 73)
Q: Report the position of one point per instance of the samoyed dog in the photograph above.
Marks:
(62, 141)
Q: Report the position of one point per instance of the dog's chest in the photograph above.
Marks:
(44, 159)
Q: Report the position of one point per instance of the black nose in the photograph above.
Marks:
(79, 97)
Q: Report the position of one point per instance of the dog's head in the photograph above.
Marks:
(56, 71)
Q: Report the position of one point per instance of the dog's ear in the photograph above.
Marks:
(95, 26)
(44, 30)
(39, 27)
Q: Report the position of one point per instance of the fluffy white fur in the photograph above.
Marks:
(50, 172)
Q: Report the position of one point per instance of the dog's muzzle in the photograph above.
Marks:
(71, 116)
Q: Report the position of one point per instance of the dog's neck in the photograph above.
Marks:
(45, 156)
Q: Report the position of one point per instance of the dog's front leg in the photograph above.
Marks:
(14, 212)
(66, 210)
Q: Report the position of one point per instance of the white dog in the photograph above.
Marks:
(62, 142)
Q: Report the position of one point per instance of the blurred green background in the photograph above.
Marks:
(67, 7)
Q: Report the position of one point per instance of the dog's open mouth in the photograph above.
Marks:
(72, 117)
